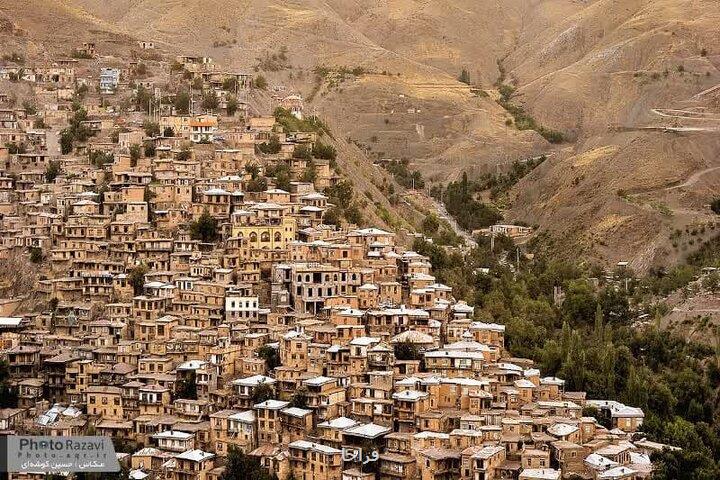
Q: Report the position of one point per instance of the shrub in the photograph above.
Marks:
(204, 228)
(260, 82)
(271, 147)
(52, 171)
(464, 76)
(715, 205)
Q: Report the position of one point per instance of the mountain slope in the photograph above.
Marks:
(620, 78)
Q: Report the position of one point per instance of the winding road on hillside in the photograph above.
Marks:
(444, 215)
(692, 179)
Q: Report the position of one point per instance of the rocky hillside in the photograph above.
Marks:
(621, 79)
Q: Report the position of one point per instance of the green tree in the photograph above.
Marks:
(340, 194)
(407, 351)
(66, 141)
(205, 228)
(260, 82)
(149, 149)
(684, 465)
(182, 103)
(135, 154)
(230, 84)
(29, 107)
(143, 99)
(8, 395)
(258, 184)
(240, 466)
(282, 176)
(232, 105)
(272, 146)
(136, 278)
(353, 215)
(16, 148)
(168, 132)
(52, 171)
(152, 129)
(324, 151)
(299, 398)
(270, 355)
(715, 205)
(210, 100)
(302, 152)
(332, 216)
(430, 224)
(36, 254)
(184, 154)
(309, 175)
(187, 387)
(262, 392)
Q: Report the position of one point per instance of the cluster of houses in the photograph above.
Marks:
(325, 352)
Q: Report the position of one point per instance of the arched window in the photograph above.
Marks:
(253, 237)
(265, 237)
(278, 236)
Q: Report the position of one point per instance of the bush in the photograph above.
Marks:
(182, 103)
(230, 84)
(36, 254)
(149, 149)
(184, 155)
(464, 76)
(407, 351)
(270, 147)
(430, 224)
(209, 100)
(29, 107)
(302, 152)
(52, 171)
(260, 82)
(16, 148)
(232, 105)
(136, 278)
(204, 228)
(135, 154)
(152, 129)
(470, 214)
(404, 176)
(323, 151)
(715, 206)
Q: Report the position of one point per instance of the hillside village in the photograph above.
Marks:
(192, 276)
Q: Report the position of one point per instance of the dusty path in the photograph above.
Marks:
(692, 179)
(685, 114)
(444, 215)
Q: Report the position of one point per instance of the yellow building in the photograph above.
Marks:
(268, 235)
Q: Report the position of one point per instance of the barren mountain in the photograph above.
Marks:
(622, 79)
